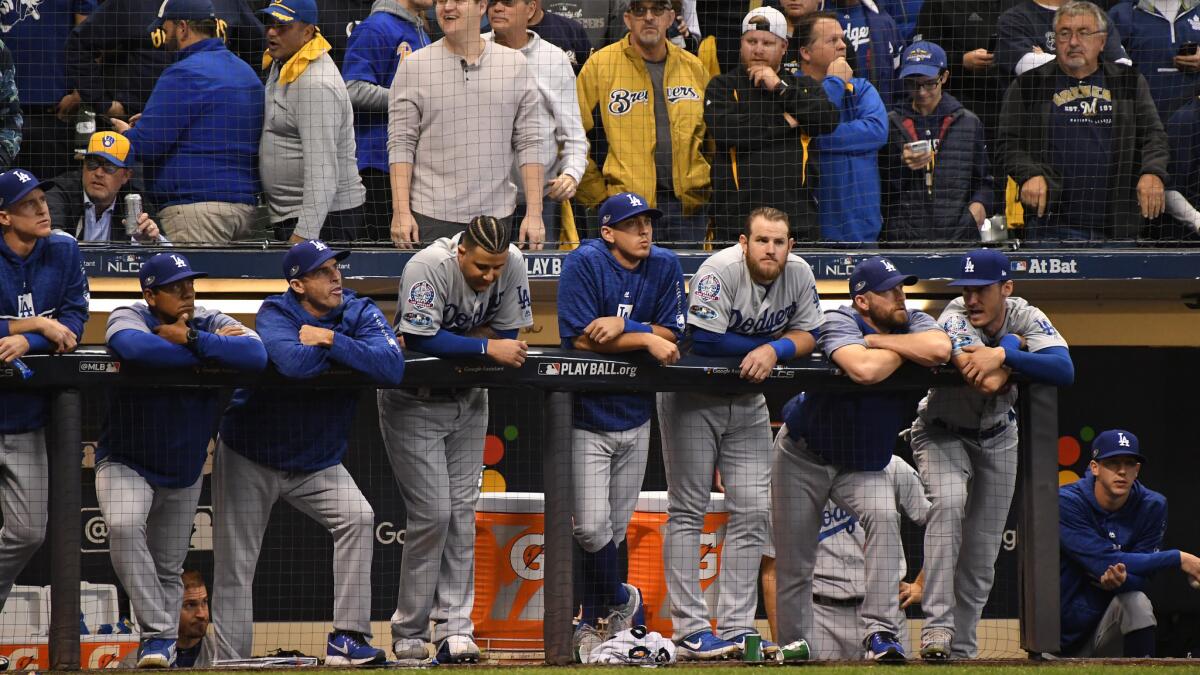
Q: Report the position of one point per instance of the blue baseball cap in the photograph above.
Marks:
(287, 11)
(186, 10)
(166, 268)
(1115, 443)
(922, 58)
(623, 206)
(308, 256)
(877, 274)
(15, 184)
(982, 267)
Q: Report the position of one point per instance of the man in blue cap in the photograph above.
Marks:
(148, 481)
(45, 305)
(289, 443)
(198, 135)
(617, 294)
(1111, 528)
(307, 151)
(965, 442)
(945, 200)
(837, 444)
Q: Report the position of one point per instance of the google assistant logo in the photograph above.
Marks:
(493, 453)
(1069, 452)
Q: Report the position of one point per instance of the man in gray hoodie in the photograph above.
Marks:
(306, 156)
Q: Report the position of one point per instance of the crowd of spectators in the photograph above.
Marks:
(892, 121)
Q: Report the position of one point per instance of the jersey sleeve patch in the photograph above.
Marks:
(701, 312)
(959, 331)
(708, 288)
(421, 295)
(417, 320)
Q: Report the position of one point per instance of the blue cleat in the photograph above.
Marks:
(882, 646)
(770, 650)
(156, 653)
(351, 649)
(704, 646)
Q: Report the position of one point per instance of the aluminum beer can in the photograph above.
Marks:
(133, 210)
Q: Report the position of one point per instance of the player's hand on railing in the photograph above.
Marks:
(604, 329)
(13, 347)
(405, 232)
(757, 365)
(315, 336)
(533, 231)
(663, 350)
(980, 361)
(231, 330)
(63, 338)
(509, 353)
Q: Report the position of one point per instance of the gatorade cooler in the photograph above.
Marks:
(648, 531)
(509, 568)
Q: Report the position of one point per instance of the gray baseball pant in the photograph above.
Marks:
(149, 529)
(1126, 613)
(24, 488)
(702, 432)
(801, 484)
(435, 446)
(243, 493)
(970, 485)
(838, 630)
(607, 470)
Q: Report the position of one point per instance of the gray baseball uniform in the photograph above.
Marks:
(24, 472)
(965, 446)
(730, 432)
(150, 523)
(839, 576)
(434, 440)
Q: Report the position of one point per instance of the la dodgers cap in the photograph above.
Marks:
(308, 256)
(877, 274)
(287, 11)
(776, 23)
(193, 10)
(623, 206)
(1115, 443)
(166, 268)
(111, 146)
(922, 58)
(15, 184)
(982, 267)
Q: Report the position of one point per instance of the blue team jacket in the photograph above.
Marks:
(1152, 42)
(198, 137)
(49, 282)
(1091, 539)
(593, 285)
(163, 433)
(301, 428)
(848, 198)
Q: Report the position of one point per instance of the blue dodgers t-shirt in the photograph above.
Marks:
(593, 285)
(35, 33)
(858, 33)
(1081, 144)
(373, 53)
(853, 430)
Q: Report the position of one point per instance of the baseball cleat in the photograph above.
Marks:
(586, 638)
(770, 650)
(935, 644)
(406, 648)
(883, 646)
(704, 646)
(629, 614)
(351, 649)
(156, 653)
(458, 649)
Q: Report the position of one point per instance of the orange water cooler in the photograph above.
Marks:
(509, 568)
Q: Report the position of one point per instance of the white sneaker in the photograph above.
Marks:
(406, 648)
(458, 649)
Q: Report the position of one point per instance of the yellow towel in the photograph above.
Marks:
(294, 68)
(568, 236)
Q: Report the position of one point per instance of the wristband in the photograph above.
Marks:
(784, 348)
(632, 326)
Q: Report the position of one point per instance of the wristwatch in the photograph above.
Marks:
(782, 86)
(193, 337)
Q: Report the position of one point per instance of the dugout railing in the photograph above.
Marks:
(68, 379)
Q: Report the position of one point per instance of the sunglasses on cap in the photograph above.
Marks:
(93, 163)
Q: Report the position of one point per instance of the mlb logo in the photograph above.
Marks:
(549, 369)
(1019, 266)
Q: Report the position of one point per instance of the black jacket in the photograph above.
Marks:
(65, 201)
(1139, 142)
(760, 159)
(960, 175)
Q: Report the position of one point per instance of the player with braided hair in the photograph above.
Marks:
(463, 296)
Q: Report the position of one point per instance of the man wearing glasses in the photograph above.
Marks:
(1027, 39)
(1083, 140)
(88, 203)
(937, 180)
(650, 97)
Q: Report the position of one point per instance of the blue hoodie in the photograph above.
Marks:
(48, 282)
(170, 452)
(593, 285)
(1152, 42)
(878, 52)
(198, 137)
(305, 429)
(848, 194)
(1092, 539)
